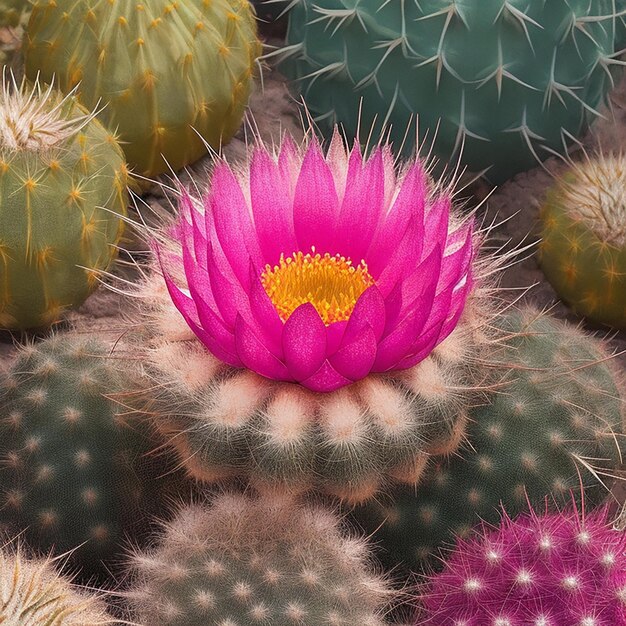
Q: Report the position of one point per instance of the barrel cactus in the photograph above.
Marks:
(337, 348)
(504, 82)
(241, 560)
(62, 199)
(173, 75)
(583, 245)
(553, 425)
(74, 473)
(32, 593)
(550, 569)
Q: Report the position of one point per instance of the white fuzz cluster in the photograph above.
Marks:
(32, 118)
(595, 193)
(33, 594)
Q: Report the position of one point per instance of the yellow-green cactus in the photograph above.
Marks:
(583, 247)
(173, 75)
(62, 194)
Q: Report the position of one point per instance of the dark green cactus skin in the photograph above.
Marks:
(559, 409)
(172, 74)
(60, 221)
(506, 78)
(72, 470)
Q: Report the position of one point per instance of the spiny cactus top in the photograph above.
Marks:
(561, 569)
(33, 594)
(583, 245)
(321, 268)
(173, 74)
(242, 561)
(501, 82)
(62, 195)
(320, 322)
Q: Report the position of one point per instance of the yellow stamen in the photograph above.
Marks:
(330, 283)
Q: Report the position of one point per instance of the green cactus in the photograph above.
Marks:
(62, 198)
(583, 239)
(227, 422)
(73, 470)
(506, 81)
(242, 561)
(556, 415)
(173, 75)
(33, 594)
(11, 11)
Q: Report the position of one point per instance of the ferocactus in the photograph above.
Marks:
(174, 75)
(62, 202)
(583, 238)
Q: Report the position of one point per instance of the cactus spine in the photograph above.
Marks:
(62, 192)
(172, 74)
(553, 425)
(583, 245)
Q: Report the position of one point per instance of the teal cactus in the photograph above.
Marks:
(173, 75)
(583, 238)
(552, 427)
(505, 81)
(241, 561)
(73, 470)
(32, 593)
(62, 199)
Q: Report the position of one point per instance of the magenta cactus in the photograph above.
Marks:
(320, 268)
(557, 569)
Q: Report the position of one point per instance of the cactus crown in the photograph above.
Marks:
(27, 122)
(595, 193)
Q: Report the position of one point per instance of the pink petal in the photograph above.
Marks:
(188, 309)
(457, 306)
(272, 208)
(337, 158)
(362, 206)
(289, 163)
(196, 233)
(427, 345)
(233, 223)
(334, 335)
(267, 321)
(436, 224)
(326, 379)
(457, 264)
(355, 359)
(255, 356)
(315, 203)
(304, 342)
(409, 205)
(369, 310)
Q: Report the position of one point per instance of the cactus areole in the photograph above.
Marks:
(175, 76)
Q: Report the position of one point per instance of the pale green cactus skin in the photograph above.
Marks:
(506, 81)
(172, 74)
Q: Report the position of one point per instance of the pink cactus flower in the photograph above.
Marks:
(319, 268)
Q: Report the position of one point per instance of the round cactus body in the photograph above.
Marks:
(62, 195)
(73, 470)
(556, 415)
(173, 75)
(583, 245)
(555, 569)
(241, 561)
(33, 594)
(501, 82)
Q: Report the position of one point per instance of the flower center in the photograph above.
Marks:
(330, 283)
